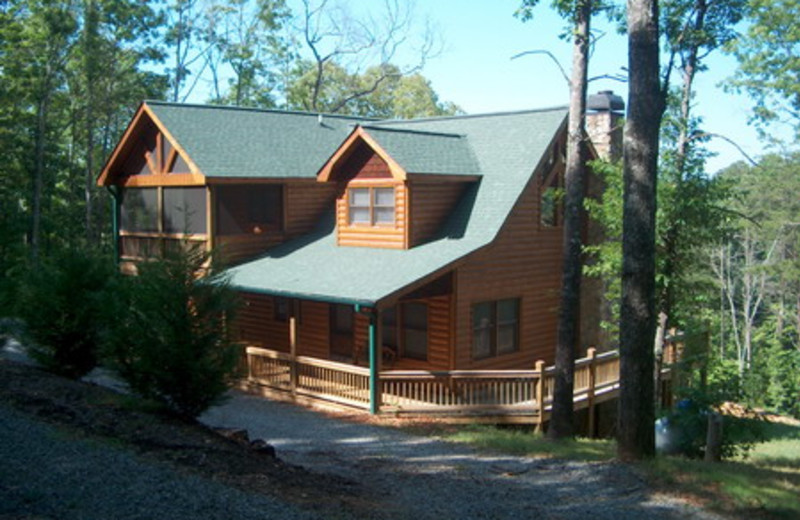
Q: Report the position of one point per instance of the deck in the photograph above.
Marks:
(511, 396)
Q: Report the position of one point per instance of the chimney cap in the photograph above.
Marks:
(605, 101)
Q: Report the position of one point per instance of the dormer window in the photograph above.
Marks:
(371, 206)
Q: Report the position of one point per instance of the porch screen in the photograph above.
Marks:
(185, 210)
(138, 211)
(249, 209)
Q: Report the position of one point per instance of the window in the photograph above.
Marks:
(495, 328)
(138, 210)
(249, 209)
(549, 207)
(185, 210)
(370, 206)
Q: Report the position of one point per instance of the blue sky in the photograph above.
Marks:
(476, 72)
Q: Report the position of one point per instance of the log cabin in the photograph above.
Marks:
(409, 265)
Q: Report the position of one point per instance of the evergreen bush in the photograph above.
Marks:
(170, 339)
(59, 302)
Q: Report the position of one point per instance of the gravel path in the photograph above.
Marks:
(424, 478)
(47, 473)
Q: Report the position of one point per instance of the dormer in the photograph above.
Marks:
(395, 187)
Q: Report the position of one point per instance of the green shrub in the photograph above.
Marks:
(169, 339)
(688, 423)
(59, 303)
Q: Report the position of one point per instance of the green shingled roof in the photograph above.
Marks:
(241, 142)
(424, 152)
(506, 149)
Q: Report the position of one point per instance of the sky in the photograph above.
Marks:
(475, 69)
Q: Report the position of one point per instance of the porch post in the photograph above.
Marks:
(293, 304)
(374, 360)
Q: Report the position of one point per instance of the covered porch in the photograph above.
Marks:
(500, 396)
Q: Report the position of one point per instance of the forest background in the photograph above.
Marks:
(73, 72)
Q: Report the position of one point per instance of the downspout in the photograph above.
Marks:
(115, 196)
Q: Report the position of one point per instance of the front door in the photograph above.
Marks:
(342, 332)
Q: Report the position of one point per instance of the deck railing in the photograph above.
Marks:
(462, 392)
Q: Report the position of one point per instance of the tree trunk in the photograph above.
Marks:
(561, 420)
(635, 430)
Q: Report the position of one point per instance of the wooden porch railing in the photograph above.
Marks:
(462, 392)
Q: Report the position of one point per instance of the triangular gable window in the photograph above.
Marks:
(178, 165)
(151, 153)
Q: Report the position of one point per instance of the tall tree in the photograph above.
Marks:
(249, 42)
(579, 12)
(635, 432)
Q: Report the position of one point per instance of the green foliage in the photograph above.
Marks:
(381, 91)
(60, 302)
(169, 338)
(605, 259)
(767, 53)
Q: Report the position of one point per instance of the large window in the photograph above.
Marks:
(406, 325)
(181, 210)
(370, 206)
(249, 209)
(138, 210)
(495, 328)
(185, 210)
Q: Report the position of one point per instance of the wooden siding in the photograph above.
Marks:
(313, 331)
(524, 262)
(392, 236)
(306, 202)
(256, 324)
(430, 205)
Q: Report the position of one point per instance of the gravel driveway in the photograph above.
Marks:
(423, 478)
(85, 479)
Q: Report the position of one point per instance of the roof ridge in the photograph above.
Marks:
(410, 131)
(382, 122)
(279, 111)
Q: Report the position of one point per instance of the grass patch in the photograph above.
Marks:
(766, 484)
(524, 442)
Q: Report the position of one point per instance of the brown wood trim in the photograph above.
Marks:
(102, 179)
(123, 145)
(169, 236)
(224, 181)
(407, 216)
(152, 164)
(210, 214)
(172, 179)
(346, 148)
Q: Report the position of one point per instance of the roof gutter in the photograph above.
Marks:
(360, 305)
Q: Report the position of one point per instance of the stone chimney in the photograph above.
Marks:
(604, 118)
(604, 113)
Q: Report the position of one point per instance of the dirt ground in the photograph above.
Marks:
(96, 412)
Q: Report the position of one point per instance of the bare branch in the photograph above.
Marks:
(551, 56)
